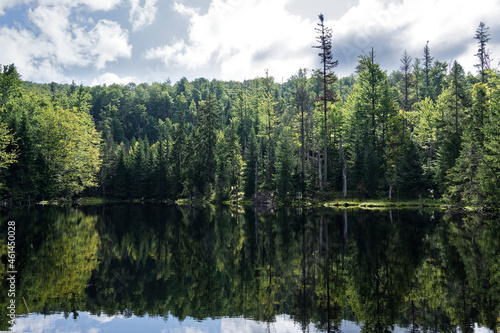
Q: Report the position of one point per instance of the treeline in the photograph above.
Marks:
(426, 130)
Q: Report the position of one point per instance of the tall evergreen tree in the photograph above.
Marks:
(427, 59)
(451, 107)
(407, 81)
(417, 74)
(483, 37)
(251, 163)
(207, 128)
(491, 131)
(178, 157)
(302, 100)
(328, 77)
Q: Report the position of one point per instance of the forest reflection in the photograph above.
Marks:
(380, 269)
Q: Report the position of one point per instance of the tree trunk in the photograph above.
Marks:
(302, 146)
(344, 179)
(319, 168)
(256, 178)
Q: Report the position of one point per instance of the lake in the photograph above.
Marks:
(157, 268)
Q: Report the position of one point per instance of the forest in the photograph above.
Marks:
(427, 130)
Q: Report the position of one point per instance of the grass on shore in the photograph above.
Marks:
(385, 203)
(332, 203)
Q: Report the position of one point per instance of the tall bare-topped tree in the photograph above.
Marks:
(483, 38)
(328, 77)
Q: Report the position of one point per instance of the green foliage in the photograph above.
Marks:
(418, 132)
(7, 156)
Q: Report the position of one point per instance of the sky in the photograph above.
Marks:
(95, 42)
(86, 322)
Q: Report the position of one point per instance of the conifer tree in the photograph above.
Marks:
(407, 81)
(251, 162)
(483, 37)
(417, 74)
(178, 158)
(205, 160)
(285, 167)
(427, 59)
(234, 158)
(328, 77)
(302, 100)
(451, 106)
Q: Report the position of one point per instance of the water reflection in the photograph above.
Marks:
(322, 270)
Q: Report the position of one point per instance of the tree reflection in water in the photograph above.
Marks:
(420, 271)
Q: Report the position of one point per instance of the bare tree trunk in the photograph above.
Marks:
(340, 148)
(256, 178)
(344, 178)
(319, 168)
(302, 146)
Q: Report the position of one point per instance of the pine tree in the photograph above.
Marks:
(205, 160)
(464, 179)
(162, 174)
(234, 158)
(302, 100)
(328, 77)
(221, 173)
(417, 74)
(437, 78)
(251, 162)
(490, 177)
(368, 108)
(268, 119)
(178, 159)
(407, 81)
(427, 70)
(483, 37)
(284, 164)
(451, 107)
(122, 177)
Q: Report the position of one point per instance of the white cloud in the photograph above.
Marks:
(282, 324)
(6, 4)
(59, 44)
(111, 78)
(29, 55)
(109, 42)
(242, 38)
(104, 5)
(392, 26)
(54, 27)
(142, 16)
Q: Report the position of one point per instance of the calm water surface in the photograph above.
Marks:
(153, 268)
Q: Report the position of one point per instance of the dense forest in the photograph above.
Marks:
(428, 130)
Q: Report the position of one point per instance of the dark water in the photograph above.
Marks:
(148, 268)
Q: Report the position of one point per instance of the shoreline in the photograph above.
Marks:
(370, 204)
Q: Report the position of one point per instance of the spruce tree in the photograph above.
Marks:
(427, 70)
(328, 77)
(483, 37)
(407, 81)
(205, 160)
(251, 162)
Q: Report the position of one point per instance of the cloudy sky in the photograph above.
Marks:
(104, 41)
